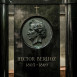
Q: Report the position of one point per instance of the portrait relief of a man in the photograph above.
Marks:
(37, 31)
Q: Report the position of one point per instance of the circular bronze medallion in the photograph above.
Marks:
(36, 32)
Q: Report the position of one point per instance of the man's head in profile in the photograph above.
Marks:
(37, 31)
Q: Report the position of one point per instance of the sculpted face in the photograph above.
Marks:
(36, 32)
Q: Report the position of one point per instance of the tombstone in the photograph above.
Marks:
(37, 41)
(37, 38)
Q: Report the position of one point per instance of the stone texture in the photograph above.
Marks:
(11, 39)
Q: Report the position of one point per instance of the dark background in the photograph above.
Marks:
(74, 52)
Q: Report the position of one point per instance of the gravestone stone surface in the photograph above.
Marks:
(37, 41)
(36, 1)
